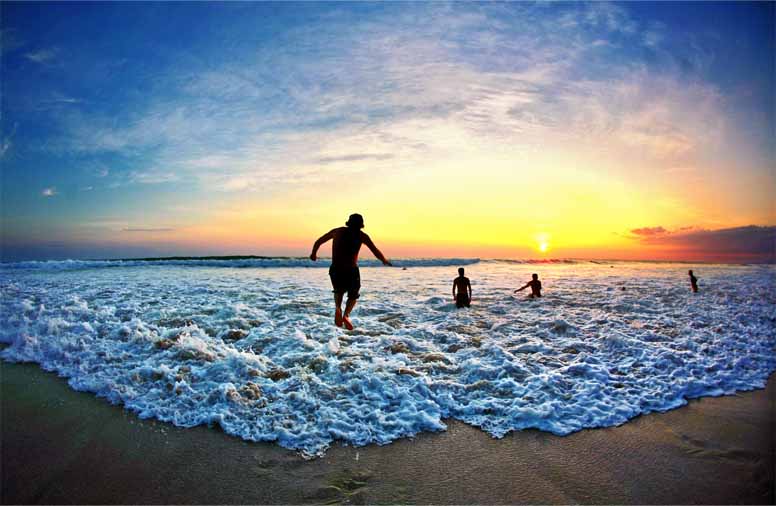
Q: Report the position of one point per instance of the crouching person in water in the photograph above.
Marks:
(536, 287)
(344, 273)
(461, 285)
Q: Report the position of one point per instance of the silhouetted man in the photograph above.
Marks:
(536, 286)
(343, 272)
(461, 285)
(693, 282)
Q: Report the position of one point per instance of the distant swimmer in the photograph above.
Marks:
(343, 272)
(693, 282)
(536, 287)
(462, 290)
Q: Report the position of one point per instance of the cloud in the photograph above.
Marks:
(353, 158)
(42, 56)
(152, 177)
(5, 145)
(479, 78)
(649, 231)
(6, 142)
(58, 99)
(49, 192)
(163, 229)
(747, 244)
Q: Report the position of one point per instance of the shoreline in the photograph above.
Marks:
(64, 446)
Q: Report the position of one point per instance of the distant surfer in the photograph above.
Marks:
(693, 282)
(462, 290)
(536, 287)
(344, 274)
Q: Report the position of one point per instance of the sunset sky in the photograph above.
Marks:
(625, 130)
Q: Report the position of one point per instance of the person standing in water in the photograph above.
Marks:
(461, 285)
(344, 274)
(693, 282)
(536, 287)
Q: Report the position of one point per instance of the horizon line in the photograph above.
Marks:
(479, 258)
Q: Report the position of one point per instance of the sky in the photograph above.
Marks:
(493, 130)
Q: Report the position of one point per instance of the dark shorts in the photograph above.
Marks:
(462, 300)
(345, 279)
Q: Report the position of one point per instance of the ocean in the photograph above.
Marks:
(249, 344)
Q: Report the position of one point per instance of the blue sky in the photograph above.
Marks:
(127, 126)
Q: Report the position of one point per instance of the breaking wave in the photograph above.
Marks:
(256, 352)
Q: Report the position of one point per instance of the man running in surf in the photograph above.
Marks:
(343, 272)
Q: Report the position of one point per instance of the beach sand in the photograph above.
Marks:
(62, 446)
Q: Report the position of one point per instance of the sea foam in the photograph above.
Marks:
(255, 351)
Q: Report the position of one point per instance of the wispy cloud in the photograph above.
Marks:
(49, 192)
(152, 177)
(42, 56)
(58, 99)
(7, 141)
(649, 231)
(5, 145)
(162, 229)
(353, 158)
(397, 91)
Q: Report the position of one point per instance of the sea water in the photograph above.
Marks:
(250, 345)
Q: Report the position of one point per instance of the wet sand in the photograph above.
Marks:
(62, 446)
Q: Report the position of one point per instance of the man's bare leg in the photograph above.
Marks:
(346, 317)
(338, 309)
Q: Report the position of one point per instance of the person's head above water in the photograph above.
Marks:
(355, 221)
(689, 272)
(460, 271)
(535, 276)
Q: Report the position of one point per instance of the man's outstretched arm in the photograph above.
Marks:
(322, 239)
(376, 252)
(523, 287)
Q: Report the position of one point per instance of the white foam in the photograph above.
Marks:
(255, 350)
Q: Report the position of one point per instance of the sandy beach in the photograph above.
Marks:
(62, 446)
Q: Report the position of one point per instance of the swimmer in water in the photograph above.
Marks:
(461, 285)
(693, 282)
(343, 272)
(536, 287)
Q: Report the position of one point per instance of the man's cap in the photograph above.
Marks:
(355, 221)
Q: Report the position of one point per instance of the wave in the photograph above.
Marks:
(232, 261)
(264, 362)
(542, 261)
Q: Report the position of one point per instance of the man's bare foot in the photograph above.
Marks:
(338, 317)
(347, 322)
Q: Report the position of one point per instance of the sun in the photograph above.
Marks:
(543, 242)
